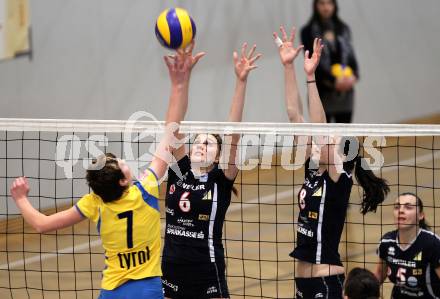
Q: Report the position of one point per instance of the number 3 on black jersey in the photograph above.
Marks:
(184, 203)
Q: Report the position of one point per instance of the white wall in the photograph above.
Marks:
(99, 59)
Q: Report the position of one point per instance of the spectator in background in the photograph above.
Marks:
(337, 72)
(361, 284)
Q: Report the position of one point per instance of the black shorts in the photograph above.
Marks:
(199, 281)
(328, 287)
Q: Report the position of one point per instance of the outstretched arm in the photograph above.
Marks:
(288, 53)
(316, 111)
(40, 222)
(243, 65)
(317, 114)
(381, 271)
(179, 69)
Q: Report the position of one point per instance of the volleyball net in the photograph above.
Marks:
(260, 226)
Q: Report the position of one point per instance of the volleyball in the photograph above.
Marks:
(175, 29)
(340, 71)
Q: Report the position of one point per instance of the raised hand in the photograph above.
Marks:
(287, 51)
(345, 84)
(245, 63)
(311, 63)
(19, 188)
(181, 64)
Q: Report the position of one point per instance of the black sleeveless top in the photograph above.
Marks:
(195, 212)
(323, 207)
(412, 270)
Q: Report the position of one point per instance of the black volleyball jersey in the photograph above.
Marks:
(322, 210)
(412, 270)
(195, 212)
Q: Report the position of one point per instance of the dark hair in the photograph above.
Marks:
(375, 188)
(105, 180)
(422, 222)
(361, 284)
(219, 149)
(335, 18)
(219, 143)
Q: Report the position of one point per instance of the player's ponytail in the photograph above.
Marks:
(422, 222)
(375, 188)
(424, 225)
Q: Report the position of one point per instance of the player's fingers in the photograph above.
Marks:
(243, 49)
(255, 58)
(190, 48)
(251, 52)
(277, 40)
(283, 33)
(167, 61)
(180, 52)
(198, 57)
(292, 34)
(318, 43)
(235, 57)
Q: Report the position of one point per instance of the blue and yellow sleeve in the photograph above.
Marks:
(87, 206)
(151, 183)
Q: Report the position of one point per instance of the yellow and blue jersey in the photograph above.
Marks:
(130, 231)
